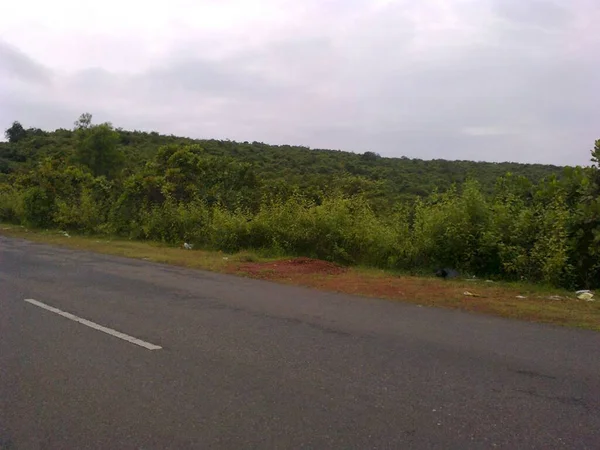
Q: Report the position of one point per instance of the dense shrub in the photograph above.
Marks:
(11, 205)
(38, 208)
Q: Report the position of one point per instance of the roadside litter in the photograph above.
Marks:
(187, 246)
(470, 294)
(65, 234)
(446, 273)
(586, 295)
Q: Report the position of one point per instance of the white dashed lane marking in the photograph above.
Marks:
(95, 326)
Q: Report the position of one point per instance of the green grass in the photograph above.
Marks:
(149, 251)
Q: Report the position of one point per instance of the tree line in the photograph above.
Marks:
(533, 222)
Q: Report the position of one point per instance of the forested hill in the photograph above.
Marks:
(293, 201)
(310, 169)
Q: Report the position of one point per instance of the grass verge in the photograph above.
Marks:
(518, 301)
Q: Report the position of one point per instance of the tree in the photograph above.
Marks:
(594, 171)
(596, 153)
(370, 156)
(98, 149)
(15, 133)
(84, 122)
(4, 166)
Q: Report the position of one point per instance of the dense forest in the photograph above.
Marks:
(504, 220)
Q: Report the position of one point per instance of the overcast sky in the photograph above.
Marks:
(494, 80)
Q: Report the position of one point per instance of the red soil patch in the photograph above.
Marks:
(285, 269)
(492, 299)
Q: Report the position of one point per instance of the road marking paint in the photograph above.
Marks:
(95, 326)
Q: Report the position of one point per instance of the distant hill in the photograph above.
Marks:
(387, 178)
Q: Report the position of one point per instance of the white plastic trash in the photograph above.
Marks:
(587, 296)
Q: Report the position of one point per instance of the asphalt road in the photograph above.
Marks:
(251, 364)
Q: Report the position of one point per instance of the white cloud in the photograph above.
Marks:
(455, 79)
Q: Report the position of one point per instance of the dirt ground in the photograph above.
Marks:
(290, 268)
(481, 296)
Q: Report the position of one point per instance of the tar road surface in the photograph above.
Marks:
(113, 353)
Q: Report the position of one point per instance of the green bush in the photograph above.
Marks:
(11, 205)
(226, 230)
(38, 208)
(448, 229)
